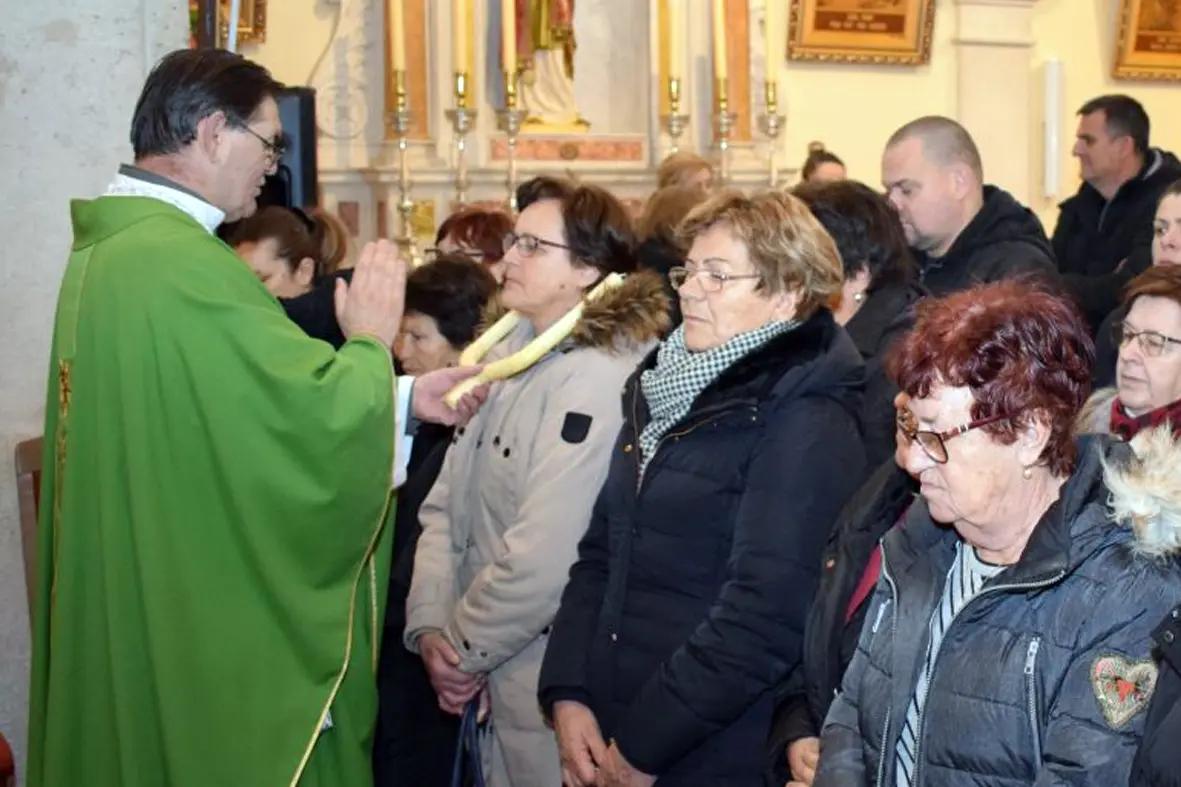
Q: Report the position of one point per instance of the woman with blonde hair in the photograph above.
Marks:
(686, 608)
(685, 169)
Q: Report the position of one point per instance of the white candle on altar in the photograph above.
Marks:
(676, 38)
(774, 32)
(719, 31)
(508, 35)
(397, 22)
(459, 28)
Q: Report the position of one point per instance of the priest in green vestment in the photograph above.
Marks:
(214, 529)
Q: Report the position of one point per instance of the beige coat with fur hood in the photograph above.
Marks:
(501, 527)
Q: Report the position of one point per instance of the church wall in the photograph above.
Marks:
(68, 84)
(1082, 33)
(851, 108)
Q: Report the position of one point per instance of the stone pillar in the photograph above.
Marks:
(69, 76)
(994, 46)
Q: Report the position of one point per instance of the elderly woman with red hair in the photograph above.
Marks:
(1009, 638)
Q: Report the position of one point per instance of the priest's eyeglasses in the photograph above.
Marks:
(711, 281)
(275, 148)
(527, 244)
(1152, 343)
(934, 444)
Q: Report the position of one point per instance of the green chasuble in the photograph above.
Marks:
(213, 550)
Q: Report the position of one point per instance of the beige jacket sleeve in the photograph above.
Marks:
(433, 591)
(512, 600)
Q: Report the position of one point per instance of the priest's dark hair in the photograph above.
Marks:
(187, 86)
(597, 227)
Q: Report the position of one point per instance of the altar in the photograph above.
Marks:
(619, 55)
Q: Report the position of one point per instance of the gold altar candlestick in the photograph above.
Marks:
(462, 120)
(771, 123)
(400, 120)
(675, 120)
(725, 119)
(510, 119)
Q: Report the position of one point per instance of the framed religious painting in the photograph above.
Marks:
(252, 20)
(861, 31)
(1149, 45)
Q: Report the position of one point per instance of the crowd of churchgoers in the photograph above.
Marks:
(839, 487)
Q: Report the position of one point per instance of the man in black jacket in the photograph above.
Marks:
(962, 231)
(1104, 233)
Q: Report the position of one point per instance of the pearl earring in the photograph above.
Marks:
(859, 297)
(1027, 473)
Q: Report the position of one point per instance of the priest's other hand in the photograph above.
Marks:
(429, 389)
(372, 304)
(454, 687)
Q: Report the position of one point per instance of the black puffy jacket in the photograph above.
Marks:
(1043, 678)
(686, 607)
(1002, 240)
(1158, 762)
(831, 635)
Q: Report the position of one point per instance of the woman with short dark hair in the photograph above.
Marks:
(880, 290)
(502, 523)
(1007, 641)
(415, 740)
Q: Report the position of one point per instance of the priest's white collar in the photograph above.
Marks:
(135, 182)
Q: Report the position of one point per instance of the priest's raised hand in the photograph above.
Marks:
(372, 305)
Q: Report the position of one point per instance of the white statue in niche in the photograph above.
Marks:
(545, 43)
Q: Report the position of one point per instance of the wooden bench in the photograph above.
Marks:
(28, 490)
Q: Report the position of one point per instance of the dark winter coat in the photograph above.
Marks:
(887, 314)
(1004, 239)
(1158, 762)
(1094, 236)
(686, 607)
(414, 744)
(315, 310)
(830, 640)
(1044, 676)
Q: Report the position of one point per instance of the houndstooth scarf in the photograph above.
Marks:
(680, 375)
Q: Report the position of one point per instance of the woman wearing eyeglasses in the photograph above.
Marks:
(1147, 396)
(1008, 639)
(1166, 252)
(477, 234)
(685, 610)
(1148, 370)
(501, 525)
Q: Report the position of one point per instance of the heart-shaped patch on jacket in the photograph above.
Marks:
(1123, 688)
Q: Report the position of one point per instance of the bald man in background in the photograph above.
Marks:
(962, 231)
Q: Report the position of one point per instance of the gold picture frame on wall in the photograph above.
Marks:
(1149, 43)
(894, 32)
(252, 21)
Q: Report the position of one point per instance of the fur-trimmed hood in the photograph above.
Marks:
(1145, 491)
(633, 314)
(1095, 417)
(1145, 487)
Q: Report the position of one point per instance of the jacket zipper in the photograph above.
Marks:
(893, 640)
(1031, 697)
(918, 737)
